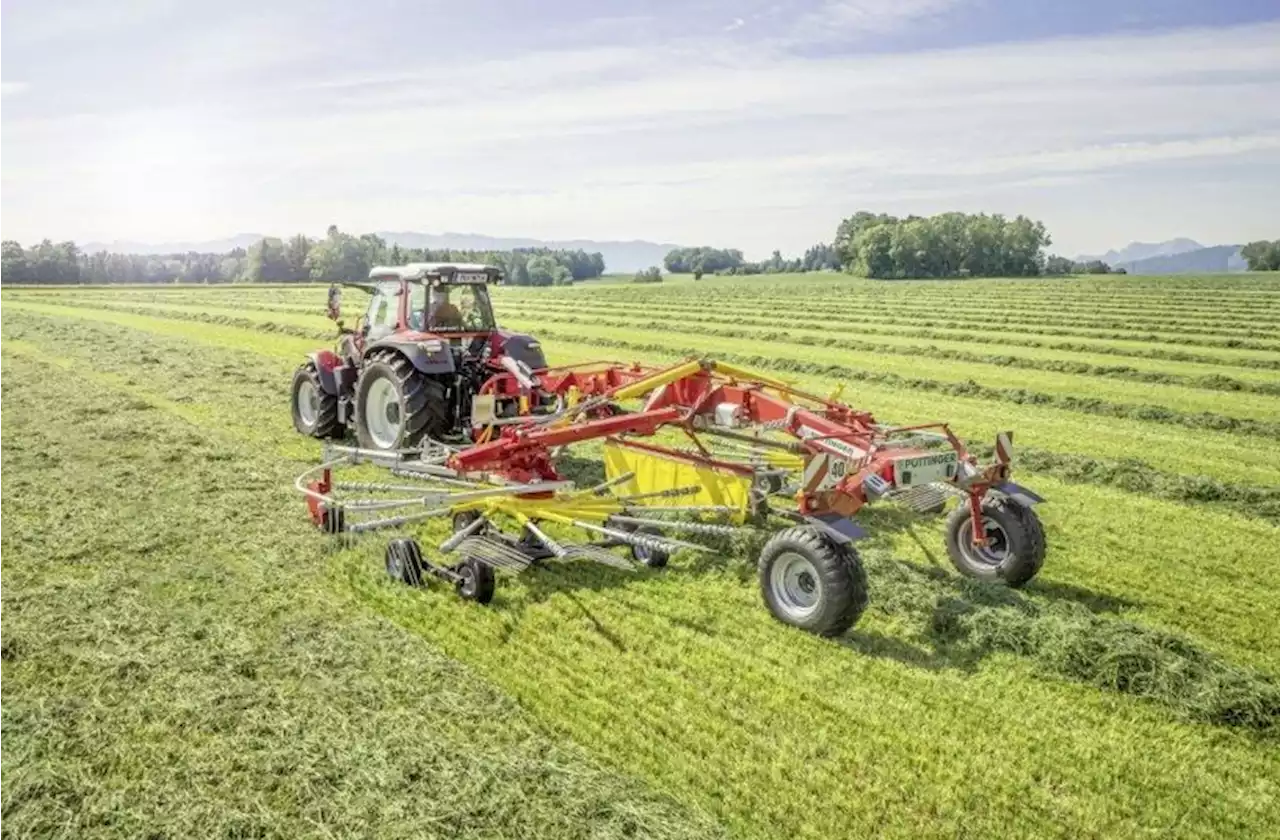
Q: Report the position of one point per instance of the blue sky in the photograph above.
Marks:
(751, 124)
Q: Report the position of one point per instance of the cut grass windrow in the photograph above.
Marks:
(1070, 396)
(563, 310)
(942, 320)
(1216, 382)
(800, 309)
(1020, 396)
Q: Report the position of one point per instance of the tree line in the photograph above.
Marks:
(1263, 255)
(887, 247)
(337, 257)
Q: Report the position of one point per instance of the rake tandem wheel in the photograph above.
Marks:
(762, 451)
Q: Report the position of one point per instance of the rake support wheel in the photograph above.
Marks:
(397, 405)
(1015, 545)
(475, 581)
(404, 561)
(810, 582)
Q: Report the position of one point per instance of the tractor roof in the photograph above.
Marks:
(439, 272)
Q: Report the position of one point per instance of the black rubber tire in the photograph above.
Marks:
(652, 557)
(1023, 532)
(404, 561)
(478, 581)
(462, 520)
(422, 402)
(840, 580)
(326, 425)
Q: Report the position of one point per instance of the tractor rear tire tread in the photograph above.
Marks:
(326, 426)
(843, 580)
(422, 400)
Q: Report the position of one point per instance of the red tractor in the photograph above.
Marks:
(416, 359)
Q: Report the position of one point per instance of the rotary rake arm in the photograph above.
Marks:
(848, 459)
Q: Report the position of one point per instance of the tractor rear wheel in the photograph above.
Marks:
(315, 411)
(396, 405)
(1015, 545)
(810, 582)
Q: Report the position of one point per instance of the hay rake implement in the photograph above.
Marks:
(698, 450)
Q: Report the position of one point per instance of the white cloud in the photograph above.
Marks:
(684, 140)
(837, 20)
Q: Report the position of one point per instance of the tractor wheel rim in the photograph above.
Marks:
(796, 585)
(382, 413)
(308, 403)
(996, 551)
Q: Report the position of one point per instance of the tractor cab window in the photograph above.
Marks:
(462, 308)
(383, 311)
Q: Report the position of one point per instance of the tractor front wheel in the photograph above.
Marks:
(396, 405)
(315, 411)
(1015, 546)
(810, 582)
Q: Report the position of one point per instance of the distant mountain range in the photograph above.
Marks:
(619, 256)
(1176, 256)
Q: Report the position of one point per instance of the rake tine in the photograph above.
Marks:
(601, 556)
(495, 553)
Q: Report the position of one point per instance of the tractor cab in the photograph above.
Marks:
(445, 299)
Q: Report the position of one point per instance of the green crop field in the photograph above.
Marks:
(184, 655)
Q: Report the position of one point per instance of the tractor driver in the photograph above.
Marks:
(443, 314)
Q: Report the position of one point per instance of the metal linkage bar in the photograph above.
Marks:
(396, 521)
(678, 525)
(674, 492)
(453, 541)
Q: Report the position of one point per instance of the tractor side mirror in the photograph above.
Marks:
(335, 303)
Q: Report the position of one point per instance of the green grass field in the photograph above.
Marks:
(183, 655)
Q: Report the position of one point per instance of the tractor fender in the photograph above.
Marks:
(523, 348)
(431, 356)
(326, 363)
(1019, 494)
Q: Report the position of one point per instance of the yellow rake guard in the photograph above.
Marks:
(653, 473)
